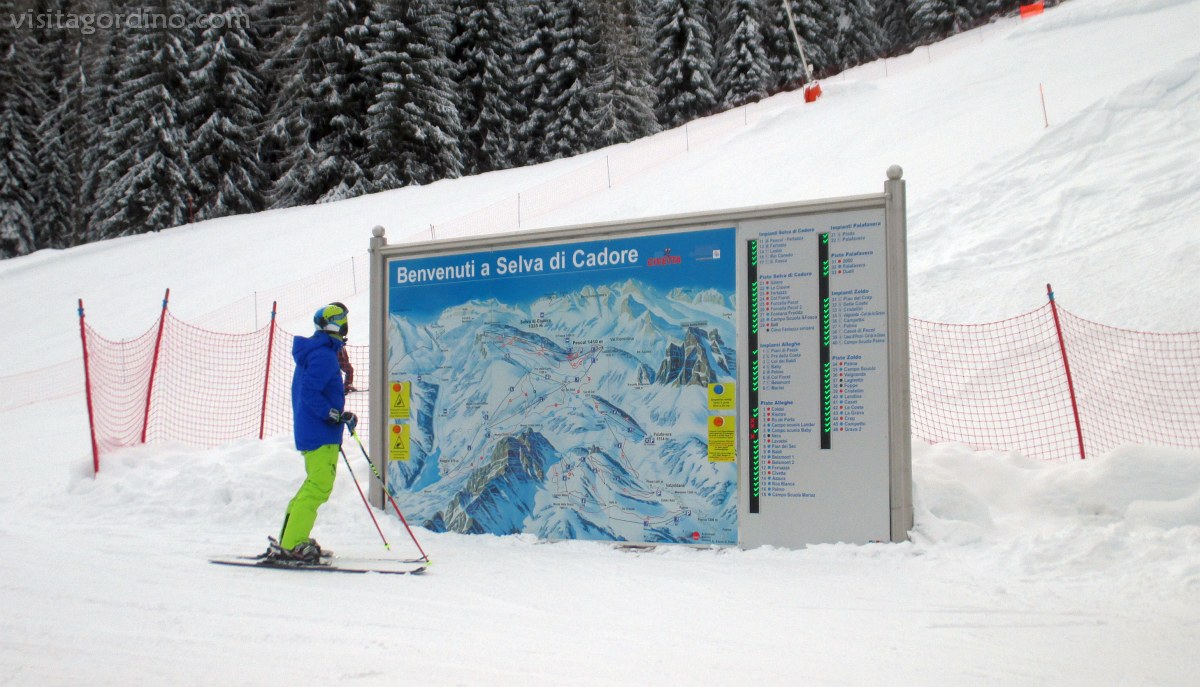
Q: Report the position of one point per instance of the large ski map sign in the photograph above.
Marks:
(572, 390)
(737, 376)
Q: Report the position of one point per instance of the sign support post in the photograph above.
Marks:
(900, 407)
(378, 360)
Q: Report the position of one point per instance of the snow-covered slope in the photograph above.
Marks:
(1018, 572)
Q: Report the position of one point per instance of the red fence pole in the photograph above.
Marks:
(262, 420)
(154, 364)
(1067, 367)
(87, 392)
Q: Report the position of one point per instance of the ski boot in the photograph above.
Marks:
(306, 552)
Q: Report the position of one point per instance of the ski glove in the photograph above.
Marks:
(336, 417)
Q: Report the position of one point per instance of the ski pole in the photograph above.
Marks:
(378, 529)
(375, 471)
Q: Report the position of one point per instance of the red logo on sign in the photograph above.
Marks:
(665, 259)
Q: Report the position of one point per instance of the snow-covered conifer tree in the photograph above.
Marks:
(535, 80)
(279, 25)
(20, 103)
(817, 22)
(58, 205)
(99, 142)
(147, 138)
(786, 66)
(327, 156)
(481, 48)
(620, 78)
(744, 73)
(573, 127)
(683, 62)
(225, 111)
(931, 20)
(858, 39)
(982, 11)
(414, 129)
(892, 18)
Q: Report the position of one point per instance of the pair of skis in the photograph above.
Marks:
(335, 564)
(383, 566)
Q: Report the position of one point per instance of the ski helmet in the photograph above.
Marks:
(332, 319)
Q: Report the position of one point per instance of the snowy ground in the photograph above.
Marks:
(1018, 572)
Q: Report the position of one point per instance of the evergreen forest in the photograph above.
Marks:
(120, 118)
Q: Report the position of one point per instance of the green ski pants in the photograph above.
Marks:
(321, 466)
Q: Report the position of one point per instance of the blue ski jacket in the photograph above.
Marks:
(316, 389)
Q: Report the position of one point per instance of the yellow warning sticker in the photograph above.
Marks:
(720, 396)
(399, 401)
(721, 439)
(398, 442)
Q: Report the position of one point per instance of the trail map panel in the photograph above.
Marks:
(569, 389)
(817, 370)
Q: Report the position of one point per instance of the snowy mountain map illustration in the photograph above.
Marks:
(579, 390)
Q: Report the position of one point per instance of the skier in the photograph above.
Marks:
(347, 369)
(318, 402)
